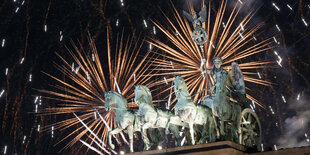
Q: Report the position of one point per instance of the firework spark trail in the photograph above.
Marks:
(109, 129)
(83, 92)
(226, 43)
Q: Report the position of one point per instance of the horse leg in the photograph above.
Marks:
(211, 129)
(191, 130)
(144, 135)
(175, 130)
(113, 132)
(130, 134)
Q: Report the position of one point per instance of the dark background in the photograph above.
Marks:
(25, 37)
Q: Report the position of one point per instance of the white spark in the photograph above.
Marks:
(183, 141)
(154, 30)
(40, 101)
(122, 152)
(241, 36)
(39, 127)
(16, 9)
(90, 130)
(275, 147)
(280, 59)
(14, 0)
(93, 57)
(23, 2)
(72, 67)
(5, 148)
(119, 90)
(21, 62)
(30, 77)
(122, 2)
(6, 71)
(240, 1)
(109, 129)
(252, 108)
(24, 139)
(92, 148)
(144, 22)
(165, 80)
(77, 69)
(95, 114)
(283, 99)
(172, 65)
(60, 39)
(150, 46)
(242, 28)
(134, 77)
(289, 7)
(2, 92)
(275, 40)
(262, 146)
(278, 27)
(3, 42)
(259, 75)
(52, 131)
(253, 103)
(306, 135)
(276, 6)
(160, 147)
(36, 109)
(45, 27)
(223, 24)
(304, 22)
(254, 38)
(298, 96)
(88, 77)
(117, 22)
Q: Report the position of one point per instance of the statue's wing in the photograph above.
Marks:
(188, 16)
(237, 79)
(203, 14)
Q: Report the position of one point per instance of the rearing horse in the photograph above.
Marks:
(154, 118)
(124, 119)
(191, 113)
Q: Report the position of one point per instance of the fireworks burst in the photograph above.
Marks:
(81, 93)
(232, 41)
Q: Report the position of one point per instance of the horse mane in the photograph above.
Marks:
(149, 94)
(122, 97)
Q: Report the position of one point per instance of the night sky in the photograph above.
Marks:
(32, 31)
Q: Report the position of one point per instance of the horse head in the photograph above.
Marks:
(114, 100)
(180, 86)
(142, 92)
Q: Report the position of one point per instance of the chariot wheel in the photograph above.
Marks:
(249, 129)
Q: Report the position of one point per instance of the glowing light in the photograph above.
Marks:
(259, 75)
(240, 36)
(122, 152)
(160, 147)
(298, 96)
(5, 149)
(77, 69)
(36, 109)
(262, 146)
(93, 57)
(154, 30)
(275, 147)
(45, 28)
(21, 62)
(23, 2)
(3, 42)
(72, 67)
(117, 22)
(24, 139)
(2, 92)
(183, 141)
(52, 131)
(38, 129)
(271, 110)
(6, 71)
(95, 114)
(16, 9)
(150, 46)
(278, 27)
(223, 24)
(165, 80)
(276, 6)
(289, 7)
(242, 28)
(305, 22)
(240, 1)
(280, 59)
(144, 22)
(283, 99)
(30, 77)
